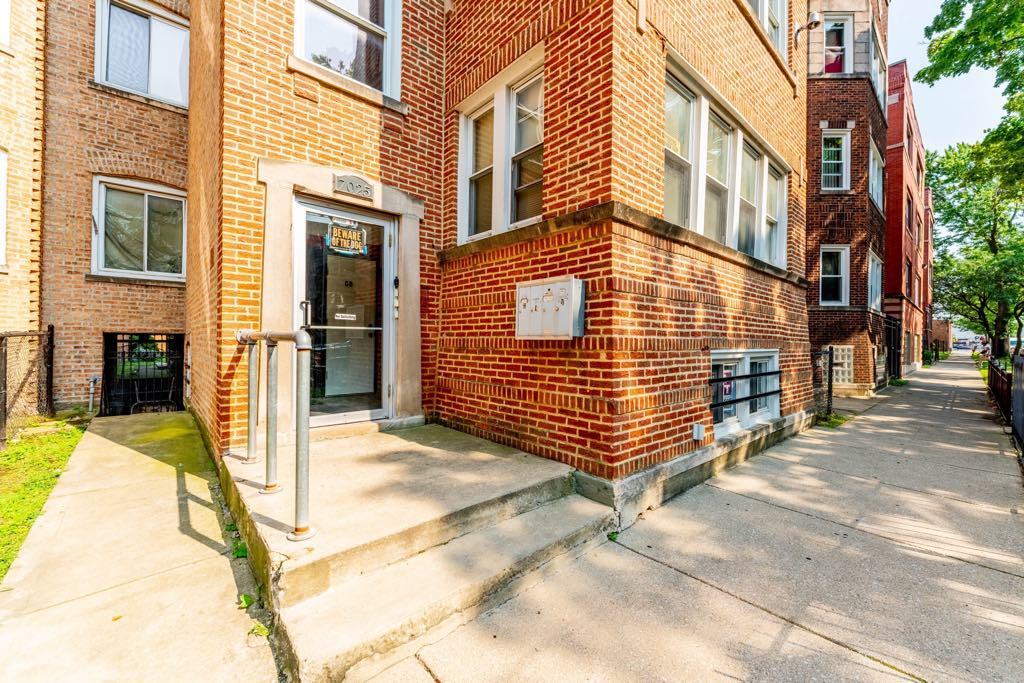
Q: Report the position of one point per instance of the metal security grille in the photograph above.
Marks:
(821, 374)
(26, 379)
(142, 372)
(1017, 402)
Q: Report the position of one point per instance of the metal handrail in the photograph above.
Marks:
(303, 347)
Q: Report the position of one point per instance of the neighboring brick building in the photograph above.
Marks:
(846, 143)
(21, 138)
(409, 153)
(909, 224)
(942, 334)
(115, 155)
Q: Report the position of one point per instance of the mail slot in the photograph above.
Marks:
(550, 309)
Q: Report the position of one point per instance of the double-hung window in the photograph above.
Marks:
(838, 44)
(502, 158)
(875, 283)
(716, 202)
(142, 48)
(750, 198)
(773, 16)
(908, 279)
(727, 185)
(910, 215)
(139, 230)
(357, 39)
(878, 69)
(679, 119)
(835, 275)
(744, 388)
(876, 177)
(835, 160)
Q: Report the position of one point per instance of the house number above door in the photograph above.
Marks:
(353, 185)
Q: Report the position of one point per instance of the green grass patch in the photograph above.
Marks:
(832, 421)
(29, 468)
(900, 382)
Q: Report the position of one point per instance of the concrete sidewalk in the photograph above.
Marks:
(127, 576)
(888, 549)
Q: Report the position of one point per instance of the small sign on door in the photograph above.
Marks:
(347, 238)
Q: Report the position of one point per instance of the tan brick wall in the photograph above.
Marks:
(89, 131)
(267, 110)
(21, 135)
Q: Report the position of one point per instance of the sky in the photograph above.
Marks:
(954, 109)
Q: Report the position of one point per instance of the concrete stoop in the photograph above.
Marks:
(415, 527)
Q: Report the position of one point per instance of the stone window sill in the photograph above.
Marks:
(115, 279)
(159, 104)
(347, 85)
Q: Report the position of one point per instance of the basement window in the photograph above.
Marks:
(745, 389)
(139, 230)
(358, 39)
(143, 49)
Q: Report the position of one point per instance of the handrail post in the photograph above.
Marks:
(270, 483)
(303, 349)
(253, 402)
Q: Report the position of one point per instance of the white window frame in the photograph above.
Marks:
(391, 33)
(848, 30)
(844, 270)
(154, 11)
(709, 105)
(498, 93)
(681, 89)
(762, 10)
(3, 208)
(844, 134)
(876, 177)
(745, 418)
(99, 187)
(875, 278)
(879, 69)
(782, 220)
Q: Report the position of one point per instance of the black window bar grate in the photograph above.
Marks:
(739, 378)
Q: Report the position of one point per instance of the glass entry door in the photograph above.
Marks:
(347, 309)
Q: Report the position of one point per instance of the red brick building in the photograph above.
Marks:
(909, 222)
(462, 150)
(846, 143)
(114, 191)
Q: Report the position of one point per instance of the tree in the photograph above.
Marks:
(987, 34)
(980, 245)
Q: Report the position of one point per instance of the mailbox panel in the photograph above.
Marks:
(550, 309)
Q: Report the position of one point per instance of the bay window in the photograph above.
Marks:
(358, 39)
(726, 185)
(773, 15)
(501, 160)
(142, 48)
(140, 229)
(835, 275)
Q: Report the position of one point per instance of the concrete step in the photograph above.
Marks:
(303, 577)
(371, 614)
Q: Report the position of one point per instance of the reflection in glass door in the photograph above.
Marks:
(346, 289)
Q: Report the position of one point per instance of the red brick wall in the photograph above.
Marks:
(626, 395)
(92, 131)
(901, 183)
(849, 217)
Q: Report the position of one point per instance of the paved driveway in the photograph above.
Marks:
(889, 549)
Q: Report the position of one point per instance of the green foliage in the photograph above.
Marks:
(898, 382)
(29, 469)
(240, 550)
(245, 600)
(259, 629)
(613, 536)
(833, 421)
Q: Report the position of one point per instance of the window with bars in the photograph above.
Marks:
(835, 160)
(745, 388)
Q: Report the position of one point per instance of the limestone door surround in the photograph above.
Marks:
(286, 181)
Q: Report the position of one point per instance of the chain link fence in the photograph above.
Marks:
(26, 379)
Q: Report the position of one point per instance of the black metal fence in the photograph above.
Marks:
(26, 379)
(822, 366)
(1017, 402)
(142, 372)
(1000, 383)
